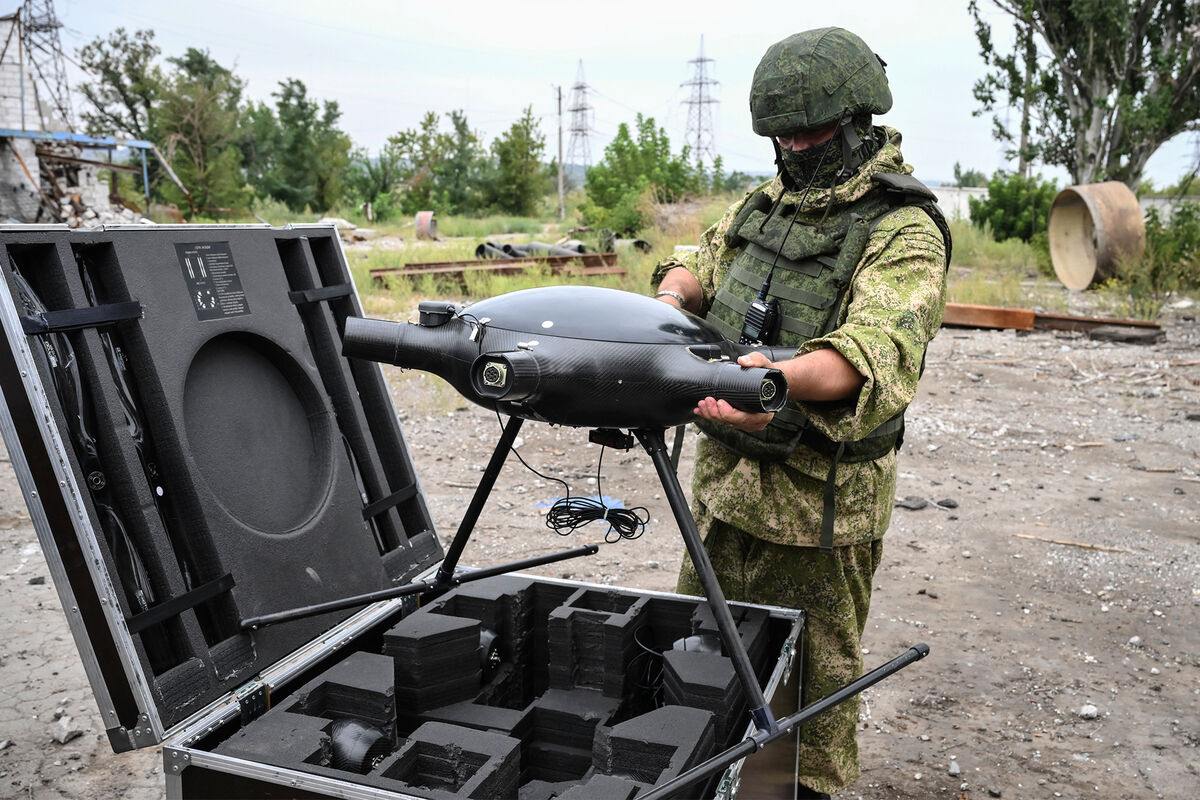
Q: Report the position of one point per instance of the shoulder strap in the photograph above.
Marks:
(912, 190)
(905, 190)
(759, 201)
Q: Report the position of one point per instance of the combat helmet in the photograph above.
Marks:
(816, 77)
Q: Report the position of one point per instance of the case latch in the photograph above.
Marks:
(731, 781)
(788, 655)
(253, 701)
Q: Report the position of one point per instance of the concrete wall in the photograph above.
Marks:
(18, 194)
(10, 83)
(1165, 205)
(954, 201)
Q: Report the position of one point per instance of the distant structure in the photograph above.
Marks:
(699, 104)
(579, 150)
(45, 63)
(48, 171)
(20, 178)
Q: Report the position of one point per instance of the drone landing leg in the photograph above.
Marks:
(654, 441)
(488, 482)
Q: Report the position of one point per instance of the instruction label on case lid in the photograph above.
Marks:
(212, 278)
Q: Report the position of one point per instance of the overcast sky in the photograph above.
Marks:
(386, 63)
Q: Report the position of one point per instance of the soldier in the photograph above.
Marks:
(842, 256)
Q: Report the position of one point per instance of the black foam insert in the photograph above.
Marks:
(575, 741)
(655, 746)
(245, 395)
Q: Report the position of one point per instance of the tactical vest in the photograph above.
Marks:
(813, 270)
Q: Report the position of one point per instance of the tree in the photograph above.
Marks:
(461, 172)
(299, 155)
(422, 153)
(1015, 206)
(259, 140)
(373, 179)
(1105, 82)
(968, 177)
(632, 167)
(121, 99)
(519, 179)
(125, 86)
(198, 116)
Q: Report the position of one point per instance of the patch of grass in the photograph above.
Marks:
(1120, 298)
(1011, 273)
(988, 287)
(975, 247)
(984, 272)
(480, 227)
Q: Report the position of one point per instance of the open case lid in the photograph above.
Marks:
(194, 450)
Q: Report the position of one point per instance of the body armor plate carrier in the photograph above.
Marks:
(812, 276)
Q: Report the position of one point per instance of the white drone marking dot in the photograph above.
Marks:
(548, 323)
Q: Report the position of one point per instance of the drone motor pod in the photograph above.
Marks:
(749, 388)
(511, 376)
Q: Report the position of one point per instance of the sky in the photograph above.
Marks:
(387, 63)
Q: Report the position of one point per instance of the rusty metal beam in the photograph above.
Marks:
(965, 315)
(1070, 322)
(580, 264)
(47, 155)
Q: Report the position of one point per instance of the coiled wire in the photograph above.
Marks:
(568, 514)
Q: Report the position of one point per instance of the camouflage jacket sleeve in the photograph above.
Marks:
(894, 309)
(704, 263)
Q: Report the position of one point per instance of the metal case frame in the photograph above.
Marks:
(181, 754)
(43, 468)
(71, 545)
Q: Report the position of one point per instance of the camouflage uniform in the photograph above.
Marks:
(761, 518)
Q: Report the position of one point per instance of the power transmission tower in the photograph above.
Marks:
(562, 206)
(579, 151)
(47, 67)
(699, 105)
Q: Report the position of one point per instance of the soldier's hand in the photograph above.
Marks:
(755, 359)
(721, 411)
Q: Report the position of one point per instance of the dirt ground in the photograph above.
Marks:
(1035, 438)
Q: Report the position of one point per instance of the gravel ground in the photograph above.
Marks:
(1057, 670)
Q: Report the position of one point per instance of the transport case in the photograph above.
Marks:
(195, 451)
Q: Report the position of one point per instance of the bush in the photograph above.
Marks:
(1171, 262)
(638, 167)
(1015, 207)
(1178, 241)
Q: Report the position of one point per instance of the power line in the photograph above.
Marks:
(40, 37)
(700, 123)
(579, 151)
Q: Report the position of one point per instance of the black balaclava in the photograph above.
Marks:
(851, 146)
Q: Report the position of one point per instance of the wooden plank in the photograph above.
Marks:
(966, 315)
(1070, 322)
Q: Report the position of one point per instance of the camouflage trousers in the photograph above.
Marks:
(834, 590)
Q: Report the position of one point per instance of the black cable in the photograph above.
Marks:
(646, 668)
(568, 514)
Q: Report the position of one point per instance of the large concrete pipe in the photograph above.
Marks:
(426, 224)
(1092, 227)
